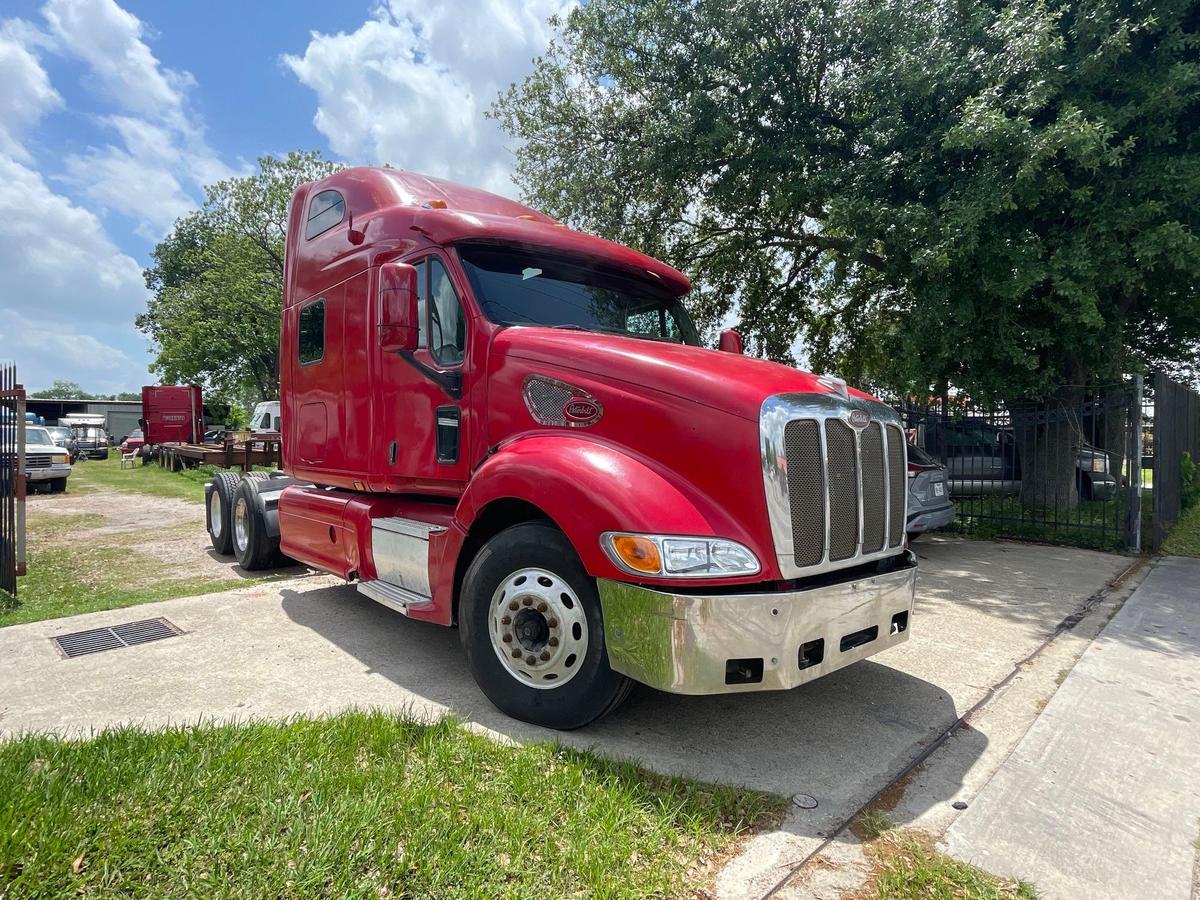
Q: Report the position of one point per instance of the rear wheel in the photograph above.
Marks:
(531, 625)
(252, 545)
(220, 507)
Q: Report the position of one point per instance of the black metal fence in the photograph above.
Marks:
(1175, 431)
(1065, 471)
(12, 481)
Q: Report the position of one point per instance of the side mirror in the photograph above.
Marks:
(730, 341)
(398, 319)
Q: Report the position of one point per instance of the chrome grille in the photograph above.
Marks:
(37, 460)
(843, 490)
(898, 483)
(874, 488)
(836, 495)
(805, 475)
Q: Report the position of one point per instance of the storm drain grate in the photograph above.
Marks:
(98, 640)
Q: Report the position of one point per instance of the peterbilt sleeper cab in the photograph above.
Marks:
(492, 421)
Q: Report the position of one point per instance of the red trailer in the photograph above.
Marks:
(493, 422)
(171, 414)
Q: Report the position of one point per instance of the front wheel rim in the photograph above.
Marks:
(241, 524)
(538, 629)
(214, 514)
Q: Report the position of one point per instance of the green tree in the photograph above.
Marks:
(64, 390)
(998, 196)
(217, 281)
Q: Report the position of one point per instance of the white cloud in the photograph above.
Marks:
(410, 86)
(27, 94)
(69, 295)
(157, 172)
(109, 40)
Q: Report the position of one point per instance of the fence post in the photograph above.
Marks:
(1133, 457)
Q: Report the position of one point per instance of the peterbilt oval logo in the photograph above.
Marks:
(859, 418)
(581, 411)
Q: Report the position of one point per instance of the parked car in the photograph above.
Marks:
(982, 458)
(90, 435)
(929, 504)
(45, 461)
(134, 442)
(64, 437)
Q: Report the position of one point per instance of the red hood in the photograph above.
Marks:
(725, 381)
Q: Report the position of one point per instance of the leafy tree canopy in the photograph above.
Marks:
(1001, 195)
(217, 281)
(69, 390)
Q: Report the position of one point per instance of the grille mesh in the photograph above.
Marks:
(843, 490)
(546, 399)
(898, 477)
(806, 480)
(874, 488)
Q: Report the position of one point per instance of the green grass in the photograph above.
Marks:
(107, 473)
(907, 866)
(1184, 538)
(870, 825)
(359, 805)
(69, 575)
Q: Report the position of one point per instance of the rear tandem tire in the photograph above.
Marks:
(508, 569)
(254, 548)
(219, 512)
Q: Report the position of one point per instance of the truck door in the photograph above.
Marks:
(421, 402)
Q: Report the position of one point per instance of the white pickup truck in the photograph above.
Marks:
(44, 460)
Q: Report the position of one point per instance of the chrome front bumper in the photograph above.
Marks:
(724, 643)
(48, 473)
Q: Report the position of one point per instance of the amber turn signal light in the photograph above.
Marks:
(639, 553)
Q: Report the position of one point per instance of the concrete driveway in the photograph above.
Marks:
(314, 645)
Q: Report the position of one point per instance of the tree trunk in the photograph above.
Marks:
(1047, 436)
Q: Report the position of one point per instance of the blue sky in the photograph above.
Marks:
(114, 115)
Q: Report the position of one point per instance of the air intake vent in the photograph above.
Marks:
(806, 490)
(843, 490)
(553, 402)
(97, 640)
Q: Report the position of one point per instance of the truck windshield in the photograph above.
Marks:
(521, 287)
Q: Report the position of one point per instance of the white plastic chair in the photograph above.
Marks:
(130, 458)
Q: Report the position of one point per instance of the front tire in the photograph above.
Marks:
(58, 485)
(545, 660)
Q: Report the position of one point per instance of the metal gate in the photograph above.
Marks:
(1176, 432)
(12, 480)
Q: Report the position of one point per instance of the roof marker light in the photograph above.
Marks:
(435, 204)
(527, 217)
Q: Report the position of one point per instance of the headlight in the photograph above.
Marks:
(677, 557)
(62, 459)
(1099, 464)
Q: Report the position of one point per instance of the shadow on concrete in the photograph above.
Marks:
(839, 739)
(291, 570)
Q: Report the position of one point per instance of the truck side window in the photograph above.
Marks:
(447, 323)
(310, 335)
(324, 211)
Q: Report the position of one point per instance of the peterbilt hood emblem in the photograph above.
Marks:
(554, 402)
(859, 418)
(581, 411)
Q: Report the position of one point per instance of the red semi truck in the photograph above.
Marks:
(171, 413)
(494, 422)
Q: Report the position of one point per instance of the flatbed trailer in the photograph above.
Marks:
(233, 453)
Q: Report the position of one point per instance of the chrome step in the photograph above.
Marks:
(393, 597)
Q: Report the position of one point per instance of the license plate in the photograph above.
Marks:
(939, 489)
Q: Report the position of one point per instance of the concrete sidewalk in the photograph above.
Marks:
(1102, 796)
